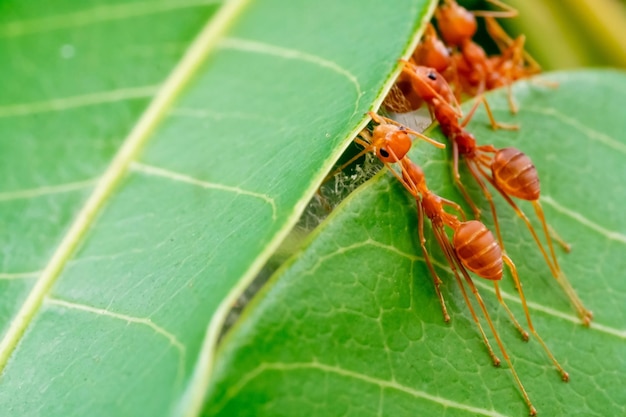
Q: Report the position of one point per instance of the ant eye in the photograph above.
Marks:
(432, 76)
(384, 153)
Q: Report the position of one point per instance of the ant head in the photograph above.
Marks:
(428, 83)
(391, 142)
(431, 52)
(456, 24)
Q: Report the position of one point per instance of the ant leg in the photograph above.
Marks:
(585, 314)
(497, 33)
(457, 180)
(555, 272)
(562, 242)
(406, 180)
(521, 55)
(518, 285)
(323, 200)
(454, 206)
(509, 97)
(475, 173)
(380, 119)
(448, 251)
(436, 279)
(494, 124)
(532, 66)
(367, 147)
(544, 83)
(518, 326)
(456, 82)
(544, 225)
(470, 113)
(426, 138)
(377, 118)
(504, 42)
(410, 187)
(467, 198)
(479, 299)
(506, 12)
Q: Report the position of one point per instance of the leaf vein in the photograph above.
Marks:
(509, 297)
(587, 131)
(175, 176)
(123, 317)
(394, 385)
(621, 334)
(215, 115)
(132, 145)
(96, 15)
(65, 103)
(46, 190)
(18, 275)
(609, 234)
(286, 53)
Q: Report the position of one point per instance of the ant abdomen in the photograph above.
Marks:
(478, 250)
(514, 172)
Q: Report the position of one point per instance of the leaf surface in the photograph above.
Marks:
(352, 326)
(154, 154)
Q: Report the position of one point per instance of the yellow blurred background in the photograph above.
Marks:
(568, 33)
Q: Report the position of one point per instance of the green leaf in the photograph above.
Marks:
(352, 326)
(153, 156)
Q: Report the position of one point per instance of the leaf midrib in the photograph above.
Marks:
(131, 147)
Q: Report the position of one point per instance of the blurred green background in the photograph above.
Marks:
(568, 33)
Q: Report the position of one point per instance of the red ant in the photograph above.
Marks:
(457, 25)
(472, 248)
(508, 170)
(470, 68)
(401, 98)
(512, 51)
(430, 52)
(440, 91)
(389, 140)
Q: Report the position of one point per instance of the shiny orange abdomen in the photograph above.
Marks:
(478, 250)
(514, 172)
